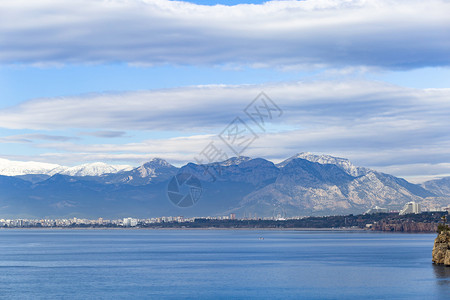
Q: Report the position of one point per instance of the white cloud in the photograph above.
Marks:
(383, 33)
(175, 109)
(377, 125)
(360, 105)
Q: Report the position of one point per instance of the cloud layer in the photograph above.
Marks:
(394, 129)
(359, 105)
(382, 33)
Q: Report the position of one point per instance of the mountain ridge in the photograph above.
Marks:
(304, 184)
(20, 168)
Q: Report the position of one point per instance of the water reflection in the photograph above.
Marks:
(442, 274)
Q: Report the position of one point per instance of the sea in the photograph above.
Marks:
(218, 264)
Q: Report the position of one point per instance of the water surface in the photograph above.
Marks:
(224, 264)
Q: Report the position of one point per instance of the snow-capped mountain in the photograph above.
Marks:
(153, 167)
(234, 161)
(305, 184)
(94, 169)
(314, 188)
(17, 168)
(21, 168)
(343, 163)
(155, 170)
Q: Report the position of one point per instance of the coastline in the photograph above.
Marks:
(210, 229)
(192, 229)
(185, 228)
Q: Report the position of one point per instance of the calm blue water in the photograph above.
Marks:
(226, 264)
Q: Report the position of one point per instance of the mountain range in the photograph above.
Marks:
(304, 184)
(19, 168)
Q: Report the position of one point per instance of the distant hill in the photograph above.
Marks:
(440, 187)
(304, 184)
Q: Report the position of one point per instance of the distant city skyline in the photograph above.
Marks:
(79, 86)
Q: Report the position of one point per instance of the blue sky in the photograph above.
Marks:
(125, 81)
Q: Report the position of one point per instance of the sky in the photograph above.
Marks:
(124, 81)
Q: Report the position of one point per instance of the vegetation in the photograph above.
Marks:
(424, 222)
(443, 227)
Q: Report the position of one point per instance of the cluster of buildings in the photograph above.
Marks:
(56, 222)
(408, 208)
(77, 222)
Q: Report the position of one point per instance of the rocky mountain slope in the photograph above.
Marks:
(439, 187)
(317, 189)
(304, 184)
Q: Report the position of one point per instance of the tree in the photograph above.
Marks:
(443, 227)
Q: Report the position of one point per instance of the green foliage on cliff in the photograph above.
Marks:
(442, 228)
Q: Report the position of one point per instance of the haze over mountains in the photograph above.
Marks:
(304, 184)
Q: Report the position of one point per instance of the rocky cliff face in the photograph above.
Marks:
(441, 249)
(404, 226)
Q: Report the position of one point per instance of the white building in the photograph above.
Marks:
(411, 208)
(129, 222)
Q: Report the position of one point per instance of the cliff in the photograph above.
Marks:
(404, 226)
(441, 249)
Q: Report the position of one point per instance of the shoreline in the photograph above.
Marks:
(218, 229)
(181, 228)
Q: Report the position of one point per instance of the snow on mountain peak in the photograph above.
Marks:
(234, 161)
(152, 168)
(94, 169)
(158, 162)
(343, 163)
(16, 168)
